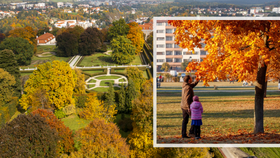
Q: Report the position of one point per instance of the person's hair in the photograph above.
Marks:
(187, 78)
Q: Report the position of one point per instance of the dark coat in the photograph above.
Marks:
(187, 95)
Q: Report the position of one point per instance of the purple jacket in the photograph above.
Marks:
(196, 110)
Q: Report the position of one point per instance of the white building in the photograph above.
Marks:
(168, 51)
(276, 10)
(70, 5)
(40, 5)
(73, 23)
(60, 4)
(255, 10)
(46, 39)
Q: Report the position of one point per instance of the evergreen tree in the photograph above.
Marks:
(130, 95)
(121, 100)
(110, 96)
(9, 64)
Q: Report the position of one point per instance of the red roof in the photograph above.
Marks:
(147, 26)
(45, 38)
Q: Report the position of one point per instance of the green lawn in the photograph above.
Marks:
(101, 89)
(223, 112)
(122, 80)
(263, 152)
(74, 122)
(120, 70)
(100, 59)
(42, 49)
(40, 60)
(92, 81)
(108, 77)
(91, 85)
(93, 71)
(145, 73)
(25, 73)
(106, 82)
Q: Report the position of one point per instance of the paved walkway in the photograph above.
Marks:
(98, 81)
(233, 153)
(74, 61)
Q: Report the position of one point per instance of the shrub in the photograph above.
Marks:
(59, 114)
(28, 136)
(70, 109)
(80, 100)
(66, 142)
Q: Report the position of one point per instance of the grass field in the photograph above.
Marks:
(74, 122)
(224, 113)
(42, 49)
(40, 60)
(106, 82)
(121, 70)
(121, 80)
(91, 85)
(25, 73)
(92, 81)
(145, 73)
(211, 84)
(100, 59)
(263, 152)
(92, 71)
(108, 77)
(102, 89)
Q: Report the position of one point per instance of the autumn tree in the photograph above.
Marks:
(239, 49)
(7, 81)
(150, 40)
(119, 28)
(184, 64)
(94, 108)
(165, 67)
(50, 86)
(80, 86)
(135, 35)
(123, 50)
(9, 63)
(22, 49)
(66, 143)
(28, 136)
(101, 139)
(131, 94)
(67, 44)
(90, 40)
(27, 33)
(2, 37)
(43, 31)
(136, 76)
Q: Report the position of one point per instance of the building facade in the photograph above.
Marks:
(168, 51)
(46, 39)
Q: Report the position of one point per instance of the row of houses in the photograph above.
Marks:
(73, 23)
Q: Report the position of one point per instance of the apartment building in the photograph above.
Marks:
(168, 51)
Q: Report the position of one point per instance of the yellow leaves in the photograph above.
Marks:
(135, 34)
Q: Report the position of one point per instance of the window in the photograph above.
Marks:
(169, 31)
(160, 53)
(168, 38)
(160, 60)
(187, 53)
(168, 45)
(160, 38)
(169, 53)
(202, 45)
(160, 31)
(160, 46)
(178, 60)
(178, 53)
(169, 60)
(202, 52)
(159, 24)
(176, 46)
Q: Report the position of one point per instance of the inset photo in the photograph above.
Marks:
(217, 82)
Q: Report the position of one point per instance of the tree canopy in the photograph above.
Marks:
(9, 64)
(123, 50)
(7, 81)
(238, 49)
(50, 86)
(90, 41)
(119, 28)
(135, 34)
(22, 49)
(67, 44)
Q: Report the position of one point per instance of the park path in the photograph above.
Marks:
(98, 81)
(74, 61)
(232, 152)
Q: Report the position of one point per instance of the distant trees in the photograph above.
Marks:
(67, 44)
(135, 35)
(22, 49)
(123, 50)
(90, 41)
(137, 76)
(184, 64)
(50, 86)
(8, 63)
(7, 81)
(149, 40)
(119, 28)
(165, 67)
(28, 136)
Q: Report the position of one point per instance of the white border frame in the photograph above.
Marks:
(155, 87)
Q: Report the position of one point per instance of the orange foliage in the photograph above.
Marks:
(66, 144)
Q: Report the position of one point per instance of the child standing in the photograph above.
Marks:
(196, 111)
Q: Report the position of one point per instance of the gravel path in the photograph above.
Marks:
(233, 153)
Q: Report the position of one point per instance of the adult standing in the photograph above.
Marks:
(187, 99)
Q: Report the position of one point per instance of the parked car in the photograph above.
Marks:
(173, 73)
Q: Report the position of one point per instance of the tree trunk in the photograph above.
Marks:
(265, 88)
(259, 98)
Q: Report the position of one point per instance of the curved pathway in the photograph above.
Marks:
(98, 81)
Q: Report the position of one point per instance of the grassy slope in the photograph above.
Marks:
(263, 152)
(42, 49)
(74, 122)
